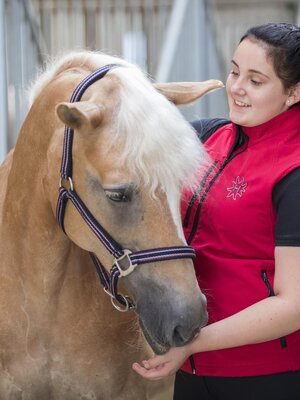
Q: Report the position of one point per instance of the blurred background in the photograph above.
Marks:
(171, 40)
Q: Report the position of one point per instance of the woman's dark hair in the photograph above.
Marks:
(282, 43)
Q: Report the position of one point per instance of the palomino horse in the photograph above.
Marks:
(114, 183)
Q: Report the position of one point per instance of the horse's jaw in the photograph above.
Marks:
(157, 348)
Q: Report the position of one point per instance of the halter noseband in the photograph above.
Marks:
(125, 261)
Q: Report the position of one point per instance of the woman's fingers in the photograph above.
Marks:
(154, 362)
(151, 373)
(162, 366)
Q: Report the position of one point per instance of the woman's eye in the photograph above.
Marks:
(234, 73)
(256, 83)
(118, 195)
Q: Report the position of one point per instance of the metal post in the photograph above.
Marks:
(172, 37)
(3, 86)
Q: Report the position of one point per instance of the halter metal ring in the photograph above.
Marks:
(124, 308)
(124, 263)
(65, 179)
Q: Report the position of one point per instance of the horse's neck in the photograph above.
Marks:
(32, 247)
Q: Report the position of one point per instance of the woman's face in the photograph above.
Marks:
(255, 93)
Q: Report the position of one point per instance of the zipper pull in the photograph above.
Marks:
(266, 280)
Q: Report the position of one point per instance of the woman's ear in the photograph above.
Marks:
(294, 95)
(80, 114)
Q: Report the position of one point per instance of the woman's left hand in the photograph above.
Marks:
(160, 367)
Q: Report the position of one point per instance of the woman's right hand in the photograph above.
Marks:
(162, 366)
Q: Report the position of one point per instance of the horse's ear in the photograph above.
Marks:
(80, 114)
(187, 92)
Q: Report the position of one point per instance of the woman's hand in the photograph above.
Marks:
(160, 367)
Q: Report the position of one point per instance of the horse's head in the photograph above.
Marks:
(132, 153)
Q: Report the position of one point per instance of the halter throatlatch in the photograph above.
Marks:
(125, 261)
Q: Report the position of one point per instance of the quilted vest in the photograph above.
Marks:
(230, 222)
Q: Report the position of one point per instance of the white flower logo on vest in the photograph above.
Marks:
(237, 189)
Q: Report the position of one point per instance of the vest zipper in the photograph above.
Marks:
(196, 193)
(270, 294)
(203, 197)
(240, 142)
(192, 362)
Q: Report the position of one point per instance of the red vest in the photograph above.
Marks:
(231, 225)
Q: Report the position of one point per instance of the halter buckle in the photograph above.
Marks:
(124, 263)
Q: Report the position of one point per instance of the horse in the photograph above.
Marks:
(92, 190)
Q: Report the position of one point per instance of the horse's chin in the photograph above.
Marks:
(157, 348)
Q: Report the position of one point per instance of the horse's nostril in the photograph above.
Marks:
(180, 338)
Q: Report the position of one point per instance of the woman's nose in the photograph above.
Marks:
(238, 87)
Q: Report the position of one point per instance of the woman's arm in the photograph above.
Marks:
(268, 319)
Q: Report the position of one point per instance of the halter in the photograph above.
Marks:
(125, 261)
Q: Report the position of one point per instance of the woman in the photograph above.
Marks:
(245, 228)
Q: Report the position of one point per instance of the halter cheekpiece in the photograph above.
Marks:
(125, 261)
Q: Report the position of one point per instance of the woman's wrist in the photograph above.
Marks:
(198, 344)
(191, 348)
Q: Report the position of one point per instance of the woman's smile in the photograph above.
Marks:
(239, 104)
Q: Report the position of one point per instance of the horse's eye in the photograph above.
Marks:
(119, 195)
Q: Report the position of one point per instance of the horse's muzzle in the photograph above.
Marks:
(171, 321)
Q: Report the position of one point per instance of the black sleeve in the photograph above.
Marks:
(206, 127)
(286, 199)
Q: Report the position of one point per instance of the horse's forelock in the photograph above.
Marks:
(160, 144)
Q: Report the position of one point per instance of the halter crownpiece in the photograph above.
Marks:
(125, 261)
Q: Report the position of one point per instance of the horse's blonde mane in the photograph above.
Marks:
(159, 144)
(54, 66)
